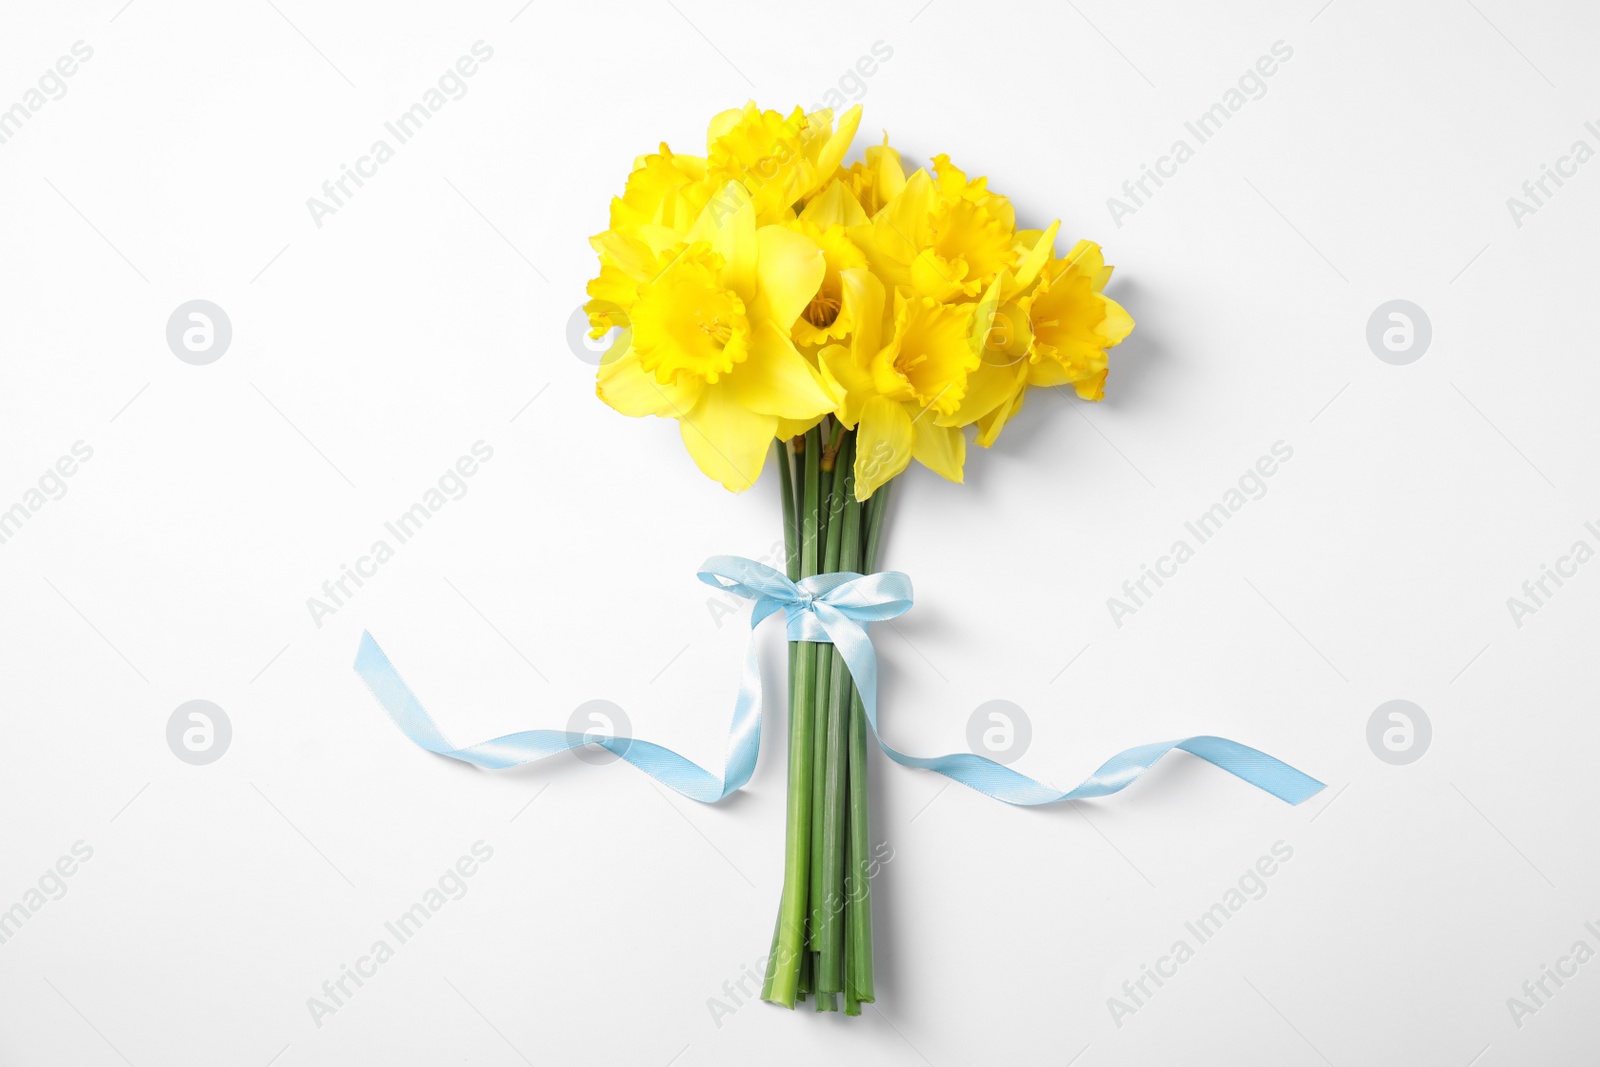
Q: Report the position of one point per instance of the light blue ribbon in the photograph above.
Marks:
(826, 608)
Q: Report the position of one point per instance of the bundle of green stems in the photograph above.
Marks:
(822, 945)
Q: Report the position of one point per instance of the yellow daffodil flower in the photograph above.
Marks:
(1074, 322)
(779, 161)
(942, 236)
(663, 190)
(894, 395)
(1054, 333)
(953, 185)
(708, 340)
(876, 180)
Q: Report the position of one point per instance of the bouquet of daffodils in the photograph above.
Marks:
(848, 319)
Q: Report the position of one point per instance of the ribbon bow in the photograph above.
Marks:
(832, 609)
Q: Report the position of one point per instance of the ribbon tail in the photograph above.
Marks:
(1120, 771)
(1259, 769)
(664, 765)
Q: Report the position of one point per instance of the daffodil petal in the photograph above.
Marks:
(983, 317)
(1028, 266)
(863, 302)
(835, 205)
(788, 273)
(790, 428)
(987, 388)
(728, 224)
(727, 440)
(627, 254)
(1073, 361)
(1086, 258)
(900, 225)
(777, 380)
(658, 239)
(890, 174)
(1117, 324)
(847, 377)
(990, 425)
(723, 121)
(1092, 387)
(942, 449)
(634, 391)
(933, 275)
(883, 444)
(834, 149)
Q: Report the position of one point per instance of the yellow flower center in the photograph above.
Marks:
(1063, 314)
(824, 307)
(820, 322)
(932, 355)
(686, 323)
(967, 235)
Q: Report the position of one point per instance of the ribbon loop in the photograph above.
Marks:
(806, 603)
(832, 609)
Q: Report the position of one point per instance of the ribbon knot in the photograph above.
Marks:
(822, 608)
(831, 609)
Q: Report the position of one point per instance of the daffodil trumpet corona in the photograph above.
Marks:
(848, 319)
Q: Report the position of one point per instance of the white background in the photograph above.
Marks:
(430, 312)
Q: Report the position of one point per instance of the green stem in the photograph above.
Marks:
(791, 510)
(828, 908)
(823, 892)
(875, 509)
(852, 1003)
(819, 539)
(827, 1001)
(797, 837)
(858, 881)
(858, 979)
(791, 552)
